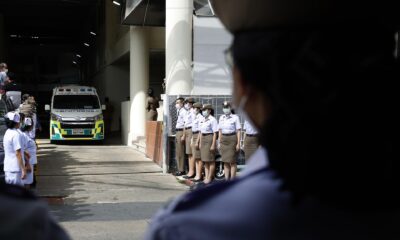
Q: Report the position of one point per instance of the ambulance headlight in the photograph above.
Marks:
(96, 118)
(55, 117)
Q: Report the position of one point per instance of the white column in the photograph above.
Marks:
(139, 82)
(178, 55)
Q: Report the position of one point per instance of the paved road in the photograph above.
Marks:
(102, 192)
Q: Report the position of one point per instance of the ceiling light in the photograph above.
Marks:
(74, 62)
(93, 33)
(13, 36)
(87, 44)
(117, 3)
(79, 56)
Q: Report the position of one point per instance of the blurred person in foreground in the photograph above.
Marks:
(324, 75)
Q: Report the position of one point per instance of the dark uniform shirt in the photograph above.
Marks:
(253, 206)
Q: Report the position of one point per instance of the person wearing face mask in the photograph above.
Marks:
(229, 139)
(197, 118)
(250, 141)
(187, 135)
(181, 113)
(207, 141)
(303, 74)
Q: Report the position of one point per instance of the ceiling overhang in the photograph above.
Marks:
(144, 13)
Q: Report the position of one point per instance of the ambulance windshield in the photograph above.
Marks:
(76, 102)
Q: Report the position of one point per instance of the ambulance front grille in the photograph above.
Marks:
(78, 125)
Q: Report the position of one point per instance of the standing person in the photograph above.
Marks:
(207, 142)
(188, 137)
(179, 137)
(14, 167)
(229, 140)
(197, 119)
(3, 77)
(327, 168)
(31, 148)
(33, 117)
(250, 141)
(27, 106)
(152, 105)
(108, 115)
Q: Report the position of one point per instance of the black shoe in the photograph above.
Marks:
(188, 177)
(197, 180)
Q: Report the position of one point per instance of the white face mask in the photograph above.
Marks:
(226, 111)
(240, 110)
(205, 113)
(197, 111)
(178, 106)
(187, 106)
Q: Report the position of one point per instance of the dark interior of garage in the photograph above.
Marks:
(47, 43)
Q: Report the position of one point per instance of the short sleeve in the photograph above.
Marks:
(215, 125)
(17, 144)
(238, 127)
(219, 123)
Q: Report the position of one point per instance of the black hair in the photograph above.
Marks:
(25, 97)
(331, 130)
(10, 124)
(150, 92)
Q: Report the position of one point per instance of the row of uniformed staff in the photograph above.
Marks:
(199, 135)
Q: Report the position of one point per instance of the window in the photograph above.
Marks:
(76, 102)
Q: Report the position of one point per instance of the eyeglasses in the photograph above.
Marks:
(229, 57)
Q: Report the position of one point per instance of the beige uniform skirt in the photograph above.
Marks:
(228, 148)
(250, 146)
(206, 154)
(195, 151)
(188, 141)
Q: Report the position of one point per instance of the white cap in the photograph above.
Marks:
(28, 121)
(13, 116)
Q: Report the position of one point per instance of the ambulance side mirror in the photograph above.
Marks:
(47, 108)
(103, 107)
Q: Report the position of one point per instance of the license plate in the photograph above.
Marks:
(78, 131)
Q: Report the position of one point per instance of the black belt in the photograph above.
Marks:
(179, 129)
(228, 134)
(195, 132)
(206, 134)
(188, 128)
(251, 135)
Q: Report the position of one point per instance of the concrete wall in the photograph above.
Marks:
(112, 82)
(112, 78)
(210, 72)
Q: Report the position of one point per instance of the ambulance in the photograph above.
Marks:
(76, 114)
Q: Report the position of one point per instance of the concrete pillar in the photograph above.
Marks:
(2, 39)
(178, 55)
(139, 82)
